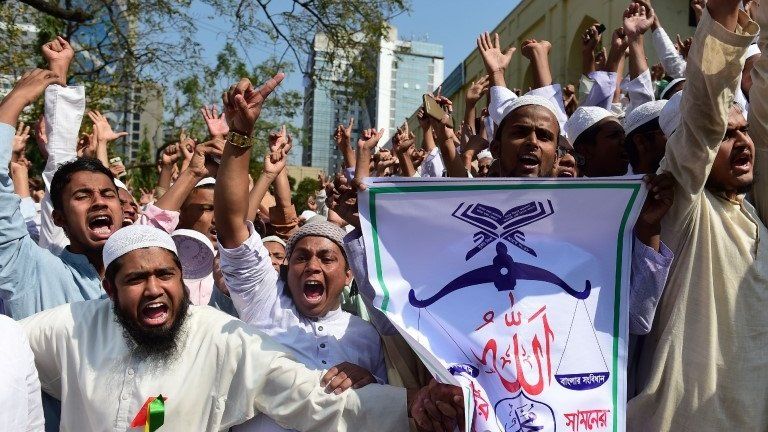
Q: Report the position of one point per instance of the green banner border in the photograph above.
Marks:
(374, 191)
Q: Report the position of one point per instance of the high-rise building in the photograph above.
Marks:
(405, 71)
(142, 119)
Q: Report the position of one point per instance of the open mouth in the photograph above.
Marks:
(101, 226)
(313, 291)
(212, 232)
(566, 173)
(154, 314)
(741, 162)
(529, 162)
(128, 220)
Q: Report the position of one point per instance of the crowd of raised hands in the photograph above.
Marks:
(483, 143)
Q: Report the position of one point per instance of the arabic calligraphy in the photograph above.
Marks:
(520, 367)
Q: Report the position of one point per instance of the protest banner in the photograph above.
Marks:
(515, 289)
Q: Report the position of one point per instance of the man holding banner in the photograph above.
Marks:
(705, 364)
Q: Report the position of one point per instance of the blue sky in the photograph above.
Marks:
(453, 23)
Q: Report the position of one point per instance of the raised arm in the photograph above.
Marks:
(637, 20)
(758, 119)
(64, 108)
(606, 81)
(673, 62)
(365, 145)
(589, 42)
(538, 53)
(496, 61)
(15, 244)
(475, 91)
(343, 139)
(402, 144)
(714, 66)
(201, 165)
(245, 262)
(103, 135)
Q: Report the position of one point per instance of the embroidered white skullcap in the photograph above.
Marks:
(753, 50)
(484, 154)
(582, 119)
(504, 101)
(206, 182)
(120, 184)
(643, 114)
(669, 118)
(273, 239)
(664, 93)
(134, 237)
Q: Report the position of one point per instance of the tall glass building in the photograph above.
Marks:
(406, 70)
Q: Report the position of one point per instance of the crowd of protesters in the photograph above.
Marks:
(269, 325)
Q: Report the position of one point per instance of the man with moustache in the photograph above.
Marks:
(704, 366)
(104, 358)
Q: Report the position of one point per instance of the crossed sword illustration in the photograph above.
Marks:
(533, 211)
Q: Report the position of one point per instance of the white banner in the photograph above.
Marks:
(515, 289)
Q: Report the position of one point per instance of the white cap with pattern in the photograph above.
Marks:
(134, 237)
(642, 115)
(504, 102)
(584, 118)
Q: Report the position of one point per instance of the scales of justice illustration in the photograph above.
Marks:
(504, 273)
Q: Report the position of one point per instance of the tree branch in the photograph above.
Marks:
(73, 15)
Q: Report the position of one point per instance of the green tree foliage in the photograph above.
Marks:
(306, 188)
(142, 174)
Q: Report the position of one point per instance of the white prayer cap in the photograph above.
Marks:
(669, 118)
(582, 119)
(504, 103)
(134, 237)
(307, 214)
(500, 97)
(120, 184)
(206, 182)
(668, 88)
(484, 154)
(643, 114)
(273, 239)
(753, 50)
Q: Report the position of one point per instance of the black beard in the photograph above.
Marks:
(153, 343)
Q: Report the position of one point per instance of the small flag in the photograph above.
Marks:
(151, 415)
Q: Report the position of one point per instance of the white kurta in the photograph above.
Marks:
(225, 373)
(21, 408)
(319, 343)
(704, 366)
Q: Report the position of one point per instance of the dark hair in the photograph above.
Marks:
(111, 271)
(629, 143)
(65, 172)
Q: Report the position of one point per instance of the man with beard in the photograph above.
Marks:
(104, 358)
(705, 364)
(526, 145)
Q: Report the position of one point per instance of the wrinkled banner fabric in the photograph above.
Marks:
(517, 290)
